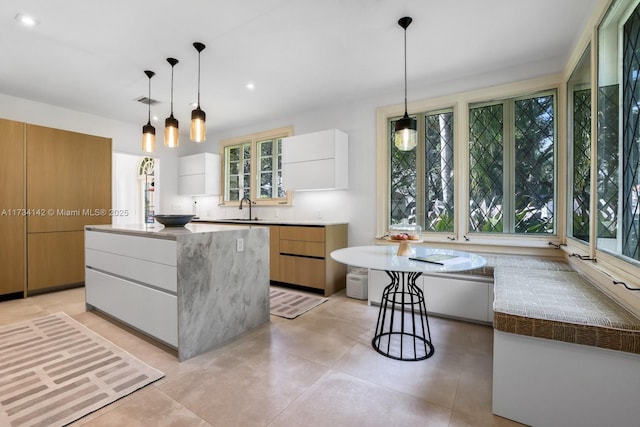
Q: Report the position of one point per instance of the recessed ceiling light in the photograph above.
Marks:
(154, 118)
(250, 86)
(26, 20)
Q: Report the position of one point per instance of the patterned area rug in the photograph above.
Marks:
(54, 370)
(291, 304)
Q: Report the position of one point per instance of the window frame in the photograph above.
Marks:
(615, 18)
(460, 103)
(586, 58)
(509, 165)
(253, 139)
(422, 166)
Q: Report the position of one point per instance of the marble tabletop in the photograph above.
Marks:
(386, 258)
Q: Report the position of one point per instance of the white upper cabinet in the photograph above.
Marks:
(199, 175)
(316, 161)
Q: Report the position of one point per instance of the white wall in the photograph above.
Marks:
(126, 137)
(356, 117)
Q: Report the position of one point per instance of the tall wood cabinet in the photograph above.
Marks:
(69, 175)
(59, 181)
(12, 218)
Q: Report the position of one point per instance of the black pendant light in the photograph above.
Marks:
(171, 123)
(198, 117)
(406, 134)
(148, 131)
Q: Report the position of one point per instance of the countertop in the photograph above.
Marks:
(161, 232)
(270, 221)
(386, 258)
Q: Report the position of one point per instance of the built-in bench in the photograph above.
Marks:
(565, 354)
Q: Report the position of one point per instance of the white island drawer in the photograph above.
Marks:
(151, 311)
(162, 251)
(155, 274)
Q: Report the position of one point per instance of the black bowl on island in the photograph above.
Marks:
(173, 220)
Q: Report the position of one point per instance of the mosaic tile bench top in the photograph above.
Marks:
(561, 305)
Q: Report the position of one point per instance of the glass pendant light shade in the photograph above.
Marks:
(171, 133)
(148, 138)
(198, 125)
(406, 134)
(148, 131)
(198, 117)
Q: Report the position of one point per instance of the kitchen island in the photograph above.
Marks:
(191, 287)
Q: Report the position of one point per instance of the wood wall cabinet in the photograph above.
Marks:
(12, 214)
(68, 183)
(304, 256)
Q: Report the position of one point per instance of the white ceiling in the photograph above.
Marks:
(301, 54)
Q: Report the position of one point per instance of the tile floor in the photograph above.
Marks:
(316, 370)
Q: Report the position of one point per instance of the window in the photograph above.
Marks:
(422, 182)
(619, 132)
(579, 143)
(253, 167)
(512, 166)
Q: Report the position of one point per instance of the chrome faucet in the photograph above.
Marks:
(249, 202)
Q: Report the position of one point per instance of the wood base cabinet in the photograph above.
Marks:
(304, 256)
(55, 259)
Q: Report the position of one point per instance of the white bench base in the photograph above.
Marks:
(541, 382)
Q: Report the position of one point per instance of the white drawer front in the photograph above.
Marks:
(158, 275)
(152, 311)
(457, 297)
(156, 250)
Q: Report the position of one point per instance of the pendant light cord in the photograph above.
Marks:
(149, 102)
(405, 71)
(172, 65)
(198, 79)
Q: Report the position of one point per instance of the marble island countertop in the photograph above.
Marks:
(268, 221)
(162, 232)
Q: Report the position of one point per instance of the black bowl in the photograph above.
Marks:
(173, 220)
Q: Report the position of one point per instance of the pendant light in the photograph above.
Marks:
(406, 135)
(148, 131)
(171, 123)
(198, 117)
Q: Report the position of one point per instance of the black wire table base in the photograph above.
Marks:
(402, 330)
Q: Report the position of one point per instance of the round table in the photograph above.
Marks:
(402, 330)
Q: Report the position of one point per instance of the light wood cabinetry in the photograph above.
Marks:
(68, 174)
(53, 182)
(12, 215)
(68, 180)
(274, 253)
(300, 255)
(55, 259)
(304, 256)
